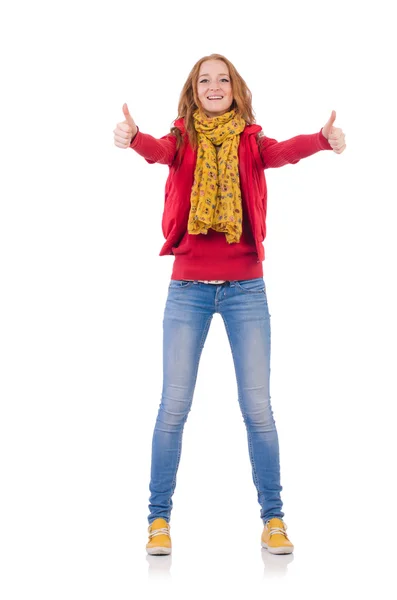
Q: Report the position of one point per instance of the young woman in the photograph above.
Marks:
(214, 223)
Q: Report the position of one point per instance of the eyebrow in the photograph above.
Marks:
(202, 74)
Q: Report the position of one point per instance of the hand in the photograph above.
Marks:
(125, 131)
(334, 135)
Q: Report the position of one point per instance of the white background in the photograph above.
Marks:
(83, 291)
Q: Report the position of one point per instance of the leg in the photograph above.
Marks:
(247, 321)
(185, 327)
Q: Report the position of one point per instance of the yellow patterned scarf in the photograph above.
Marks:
(216, 197)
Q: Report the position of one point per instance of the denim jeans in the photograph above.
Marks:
(188, 313)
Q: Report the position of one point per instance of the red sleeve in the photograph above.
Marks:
(155, 150)
(276, 154)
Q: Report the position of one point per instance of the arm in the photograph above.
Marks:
(276, 154)
(154, 150)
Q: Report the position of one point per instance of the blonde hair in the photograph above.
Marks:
(189, 101)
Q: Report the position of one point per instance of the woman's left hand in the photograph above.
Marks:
(334, 135)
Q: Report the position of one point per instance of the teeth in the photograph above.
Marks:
(215, 97)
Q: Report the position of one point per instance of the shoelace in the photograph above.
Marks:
(274, 530)
(281, 530)
(160, 531)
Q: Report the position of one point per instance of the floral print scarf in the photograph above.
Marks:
(216, 196)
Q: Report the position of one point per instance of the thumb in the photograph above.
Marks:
(331, 119)
(328, 126)
(127, 115)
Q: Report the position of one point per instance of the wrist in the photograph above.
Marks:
(135, 134)
(324, 143)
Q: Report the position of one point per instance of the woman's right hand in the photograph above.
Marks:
(125, 131)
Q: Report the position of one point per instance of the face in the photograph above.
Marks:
(214, 80)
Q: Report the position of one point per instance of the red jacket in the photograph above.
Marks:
(209, 256)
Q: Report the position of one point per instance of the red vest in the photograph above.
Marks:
(252, 183)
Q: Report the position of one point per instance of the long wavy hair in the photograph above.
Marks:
(189, 101)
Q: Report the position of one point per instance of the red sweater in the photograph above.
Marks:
(209, 256)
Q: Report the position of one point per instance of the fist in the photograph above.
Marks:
(125, 130)
(334, 135)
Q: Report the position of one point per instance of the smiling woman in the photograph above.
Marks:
(214, 88)
(214, 222)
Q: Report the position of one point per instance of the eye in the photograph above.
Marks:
(223, 79)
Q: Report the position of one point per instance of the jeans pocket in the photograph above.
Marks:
(251, 286)
(180, 283)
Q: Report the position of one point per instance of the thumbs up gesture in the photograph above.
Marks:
(334, 135)
(125, 130)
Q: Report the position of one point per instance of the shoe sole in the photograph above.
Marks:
(279, 550)
(158, 550)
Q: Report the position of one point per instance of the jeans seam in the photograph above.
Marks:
(261, 291)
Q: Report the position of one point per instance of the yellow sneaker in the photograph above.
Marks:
(274, 537)
(159, 537)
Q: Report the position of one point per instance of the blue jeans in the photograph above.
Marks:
(188, 313)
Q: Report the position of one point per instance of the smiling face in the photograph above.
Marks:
(214, 80)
